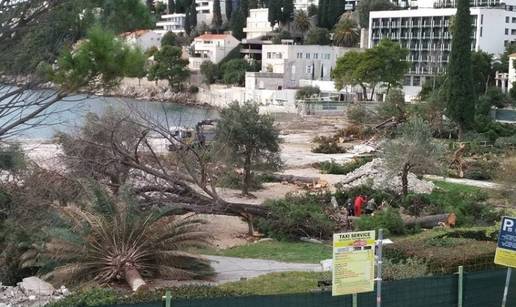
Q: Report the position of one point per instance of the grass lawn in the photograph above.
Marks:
(281, 251)
(278, 283)
(456, 188)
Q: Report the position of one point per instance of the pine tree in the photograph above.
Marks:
(229, 9)
(216, 22)
(287, 11)
(171, 6)
(460, 91)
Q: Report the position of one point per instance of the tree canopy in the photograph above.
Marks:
(384, 63)
(366, 6)
(248, 139)
(169, 66)
(318, 36)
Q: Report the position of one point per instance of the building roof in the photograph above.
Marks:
(212, 36)
(137, 33)
(513, 55)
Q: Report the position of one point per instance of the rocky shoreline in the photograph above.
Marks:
(30, 292)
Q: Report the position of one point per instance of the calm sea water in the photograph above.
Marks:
(69, 114)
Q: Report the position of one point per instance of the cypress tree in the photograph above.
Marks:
(244, 8)
(331, 14)
(460, 92)
(229, 9)
(253, 4)
(288, 11)
(275, 15)
(237, 24)
(171, 6)
(190, 18)
(322, 14)
(216, 22)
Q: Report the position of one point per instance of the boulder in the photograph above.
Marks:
(35, 286)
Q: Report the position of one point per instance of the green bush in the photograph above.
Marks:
(441, 253)
(232, 180)
(333, 167)
(307, 92)
(107, 296)
(389, 220)
(405, 269)
(298, 216)
(506, 141)
(193, 89)
(358, 114)
(327, 145)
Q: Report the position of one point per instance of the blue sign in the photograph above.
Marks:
(507, 238)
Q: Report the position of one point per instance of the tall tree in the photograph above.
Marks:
(318, 36)
(322, 16)
(248, 139)
(150, 5)
(191, 18)
(216, 22)
(275, 15)
(170, 66)
(169, 39)
(237, 24)
(460, 90)
(287, 11)
(171, 6)
(229, 9)
(126, 15)
(244, 8)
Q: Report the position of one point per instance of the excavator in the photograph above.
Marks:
(201, 135)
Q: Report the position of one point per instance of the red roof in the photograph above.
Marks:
(136, 33)
(212, 36)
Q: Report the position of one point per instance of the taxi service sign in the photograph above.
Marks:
(353, 262)
(506, 249)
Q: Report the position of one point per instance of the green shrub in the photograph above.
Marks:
(107, 296)
(506, 141)
(193, 89)
(333, 167)
(327, 145)
(232, 180)
(298, 216)
(307, 92)
(443, 254)
(389, 220)
(405, 269)
(358, 114)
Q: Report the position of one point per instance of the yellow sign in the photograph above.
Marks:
(506, 248)
(353, 262)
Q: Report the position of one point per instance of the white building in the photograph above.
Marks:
(211, 47)
(257, 24)
(144, 39)
(511, 75)
(171, 23)
(304, 4)
(283, 66)
(425, 32)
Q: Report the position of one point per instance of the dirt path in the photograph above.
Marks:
(231, 269)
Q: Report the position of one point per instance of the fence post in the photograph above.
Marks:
(167, 299)
(461, 286)
(355, 300)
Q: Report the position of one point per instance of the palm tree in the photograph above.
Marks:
(346, 33)
(109, 241)
(302, 22)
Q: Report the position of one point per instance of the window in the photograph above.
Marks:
(481, 19)
(513, 32)
(507, 19)
(416, 81)
(308, 69)
(506, 31)
(269, 55)
(327, 56)
(316, 56)
(480, 31)
(299, 55)
(307, 55)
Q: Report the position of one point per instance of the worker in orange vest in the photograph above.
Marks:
(360, 200)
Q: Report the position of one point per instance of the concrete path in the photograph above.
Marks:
(233, 269)
(470, 182)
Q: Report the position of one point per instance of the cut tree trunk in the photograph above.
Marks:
(295, 179)
(430, 221)
(133, 277)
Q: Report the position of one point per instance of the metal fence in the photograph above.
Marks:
(480, 289)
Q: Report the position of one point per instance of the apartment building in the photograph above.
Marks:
(257, 24)
(284, 65)
(426, 33)
(304, 4)
(205, 10)
(171, 23)
(210, 47)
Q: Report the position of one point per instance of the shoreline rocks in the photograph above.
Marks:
(30, 292)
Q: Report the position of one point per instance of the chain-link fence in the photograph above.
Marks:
(480, 289)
